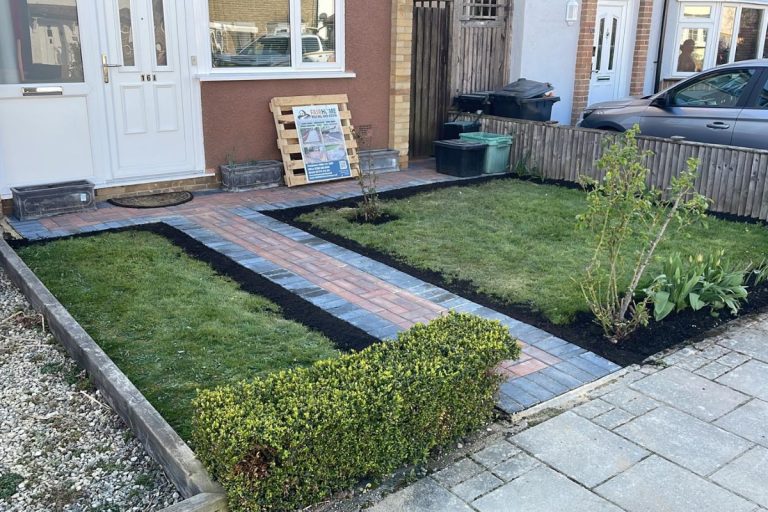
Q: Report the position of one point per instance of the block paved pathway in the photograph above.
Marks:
(689, 434)
(378, 299)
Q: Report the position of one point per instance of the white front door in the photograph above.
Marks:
(610, 64)
(146, 77)
(51, 97)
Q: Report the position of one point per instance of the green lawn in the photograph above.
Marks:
(168, 321)
(516, 241)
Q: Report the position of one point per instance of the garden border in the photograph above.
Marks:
(582, 332)
(178, 460)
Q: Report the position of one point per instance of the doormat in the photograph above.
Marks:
(153, 200)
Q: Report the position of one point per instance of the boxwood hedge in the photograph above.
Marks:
(295, 437)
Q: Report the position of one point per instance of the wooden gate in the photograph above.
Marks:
(459, 46)
(480, 45)
(430, 77)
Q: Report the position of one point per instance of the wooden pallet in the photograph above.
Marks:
(288, 136)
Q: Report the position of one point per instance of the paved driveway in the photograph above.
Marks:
(687, 434)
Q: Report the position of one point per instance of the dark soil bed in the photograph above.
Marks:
(583, 331)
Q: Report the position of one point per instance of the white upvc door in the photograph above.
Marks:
(146, 76)
(610, 60)
(51, 98)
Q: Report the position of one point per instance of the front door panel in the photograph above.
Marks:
(50, 102)
(608, 51)
(152, 130)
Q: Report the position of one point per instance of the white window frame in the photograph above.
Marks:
(298, 70)
(712, 24)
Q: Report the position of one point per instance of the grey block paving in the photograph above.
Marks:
(747, 475)
(477, 486)
(516, 466)
(593, 408)
(690, 393)
(749, 421)
(685, 440)
(582, 450)
(496, 453)
(613, 418)
(423, 496)
(543, 490)
(657, 485)
(458, 472)
(630, 400)
(753, 344)
(750, 378)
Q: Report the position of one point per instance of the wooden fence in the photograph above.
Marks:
(734, 179)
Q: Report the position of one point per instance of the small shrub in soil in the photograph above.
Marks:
(296, 437)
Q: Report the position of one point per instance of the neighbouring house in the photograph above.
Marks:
(617, 48)
(138, 95)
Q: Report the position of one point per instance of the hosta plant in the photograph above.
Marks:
(697, 282)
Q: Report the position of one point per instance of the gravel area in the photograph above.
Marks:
(61, 447)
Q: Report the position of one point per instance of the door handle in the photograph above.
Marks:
(105, 67)
(718, 125)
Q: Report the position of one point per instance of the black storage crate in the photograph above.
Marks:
(533, 109)
(453, 129)
(460, 158)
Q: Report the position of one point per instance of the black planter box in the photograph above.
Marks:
(461, 158)
(40, 201)
(251, 175)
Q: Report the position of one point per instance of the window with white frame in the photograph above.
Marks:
(275, 35)
(713, 33)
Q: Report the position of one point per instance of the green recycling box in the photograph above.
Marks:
(497, 152)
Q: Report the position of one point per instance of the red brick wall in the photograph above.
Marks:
(584, 58)
(642, 40)
(236, 114)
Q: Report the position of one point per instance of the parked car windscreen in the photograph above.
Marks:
(720, 90)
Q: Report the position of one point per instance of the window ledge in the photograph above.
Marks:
(217, 76)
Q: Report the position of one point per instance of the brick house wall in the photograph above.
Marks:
(584, 58)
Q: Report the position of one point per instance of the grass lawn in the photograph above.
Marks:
(516, 241)
(168, 321)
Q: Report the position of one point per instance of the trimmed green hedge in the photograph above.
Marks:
(295, 437)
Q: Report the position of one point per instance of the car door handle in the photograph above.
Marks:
(718, 125)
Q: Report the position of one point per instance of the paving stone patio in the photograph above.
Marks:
(675, 436)
(374, 297)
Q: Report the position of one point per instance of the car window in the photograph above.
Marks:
(719, 90)
(762, 96)
(310, 44)
(268, 46)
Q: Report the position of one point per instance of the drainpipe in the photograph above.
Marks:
(660, 54)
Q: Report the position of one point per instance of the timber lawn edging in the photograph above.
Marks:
(177, 459)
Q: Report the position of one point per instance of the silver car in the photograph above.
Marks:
(725, 105)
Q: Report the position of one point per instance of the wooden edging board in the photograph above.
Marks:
(166, 447)
(288, 135)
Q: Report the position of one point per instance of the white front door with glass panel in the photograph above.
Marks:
(95, 89)
(608, 54)
(148, 88)
(51, 99)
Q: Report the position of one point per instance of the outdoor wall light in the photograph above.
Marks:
(572, 12)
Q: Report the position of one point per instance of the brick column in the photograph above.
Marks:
(400, 78)
(642, 40)
(584, 58)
